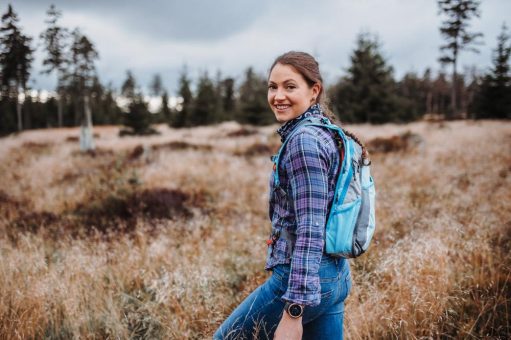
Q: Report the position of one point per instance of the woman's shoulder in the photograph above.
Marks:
(313, 136)
(313, 140)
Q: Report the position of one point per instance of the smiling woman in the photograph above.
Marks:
(304, 297)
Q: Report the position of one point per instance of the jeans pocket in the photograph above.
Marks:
(346, 288)
(328, 271)
(328, 290)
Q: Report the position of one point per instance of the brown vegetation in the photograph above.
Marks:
(152, 238)
(180, 145)
(403, 142)
(258, 149)
(77, 139)
(242, 132)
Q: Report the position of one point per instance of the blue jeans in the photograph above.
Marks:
(258, 316)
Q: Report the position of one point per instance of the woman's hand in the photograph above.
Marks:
(289, 328)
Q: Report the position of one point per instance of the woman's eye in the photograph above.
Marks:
(272, 87)
(291, 87)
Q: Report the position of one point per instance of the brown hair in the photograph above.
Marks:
(308, 67)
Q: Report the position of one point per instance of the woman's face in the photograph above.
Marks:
(289, 95)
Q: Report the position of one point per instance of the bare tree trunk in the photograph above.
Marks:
(88, 114)
(86, 136)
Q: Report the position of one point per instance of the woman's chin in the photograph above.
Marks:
(282, 117)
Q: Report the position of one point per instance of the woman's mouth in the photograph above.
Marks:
(282, 107)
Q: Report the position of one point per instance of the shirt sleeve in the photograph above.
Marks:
(307, 170)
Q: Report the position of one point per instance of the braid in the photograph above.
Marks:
(365, 152)
(353, 136)
(324, 102)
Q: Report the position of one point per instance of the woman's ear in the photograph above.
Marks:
(316, 89)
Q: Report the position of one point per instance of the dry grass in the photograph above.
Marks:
(89, 251)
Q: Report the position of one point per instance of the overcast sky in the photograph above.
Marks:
(160, 36)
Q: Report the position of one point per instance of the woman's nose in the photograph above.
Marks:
(279, 95)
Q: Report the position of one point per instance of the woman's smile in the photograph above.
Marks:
(281, 107)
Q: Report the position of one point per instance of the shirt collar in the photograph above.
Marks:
(287, 127)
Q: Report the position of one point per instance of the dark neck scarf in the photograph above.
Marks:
(287, 127)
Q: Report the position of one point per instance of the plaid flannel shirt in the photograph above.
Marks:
(308, 170)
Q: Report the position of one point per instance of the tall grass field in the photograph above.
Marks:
(160, 237)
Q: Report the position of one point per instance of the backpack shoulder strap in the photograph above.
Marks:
(346, 172)
(313, 121)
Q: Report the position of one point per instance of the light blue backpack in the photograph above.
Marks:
(351, 221)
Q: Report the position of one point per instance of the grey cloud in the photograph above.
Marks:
(191, 20)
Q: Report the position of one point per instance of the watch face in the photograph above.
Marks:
(295, 310)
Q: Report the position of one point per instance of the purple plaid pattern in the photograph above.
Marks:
(308, 170)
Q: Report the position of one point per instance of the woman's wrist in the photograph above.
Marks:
(288, 319)
(289, 328)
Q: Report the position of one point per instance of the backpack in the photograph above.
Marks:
(351, 220)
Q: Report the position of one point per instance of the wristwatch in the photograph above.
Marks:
(294, 310)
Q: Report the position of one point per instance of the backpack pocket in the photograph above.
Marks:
(366, 221)
(371, 192)
(340, 228)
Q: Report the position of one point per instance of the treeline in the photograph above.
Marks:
(369, 92)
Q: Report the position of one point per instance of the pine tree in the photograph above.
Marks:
(100, 103)
(184, 109)
(138, 117)
(428, 87)
(205, 107)
(227, 95)
(129, 86)
(165, 111)
(15, 59)
(219, 114)
(253, 100)
(156, 85)
(225, 98)
(454, 31)
(440, 94)
(7, 115)
(54, 39)
(367, 93)
(495, 96)
(157, 90)
(412, 97)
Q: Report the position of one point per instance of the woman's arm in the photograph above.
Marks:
(307, 169)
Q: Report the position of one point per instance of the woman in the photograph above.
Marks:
(304, 297)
